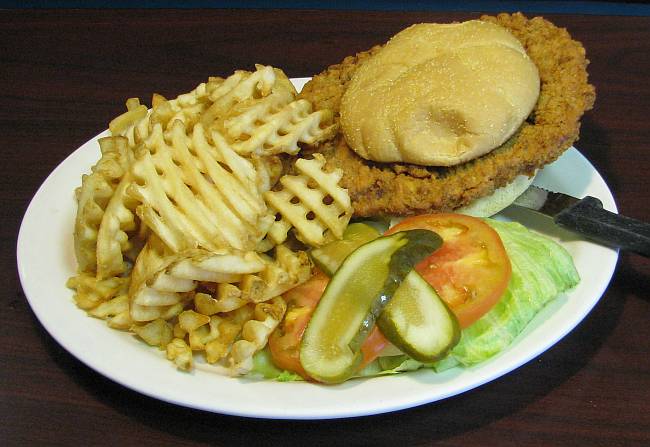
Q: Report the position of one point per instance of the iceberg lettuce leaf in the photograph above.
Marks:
(541, 270)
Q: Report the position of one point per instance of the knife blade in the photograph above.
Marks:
(587, 217)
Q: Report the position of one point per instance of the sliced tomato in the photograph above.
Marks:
(284, 342)
(471, 270)
(374, 344)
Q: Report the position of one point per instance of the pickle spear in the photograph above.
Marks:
(418, 321)
(355, 297)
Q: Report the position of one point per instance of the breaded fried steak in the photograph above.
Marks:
(397, 188)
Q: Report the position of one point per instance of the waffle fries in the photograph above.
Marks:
(93, 197)
(189, 195)
(183, 234)
(312, 203)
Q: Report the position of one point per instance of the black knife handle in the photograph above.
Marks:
(588, 217)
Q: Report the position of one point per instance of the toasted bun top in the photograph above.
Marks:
(439, 94)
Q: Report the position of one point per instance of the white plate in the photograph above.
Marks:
(46, 260)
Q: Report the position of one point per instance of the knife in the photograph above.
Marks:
(587, 217)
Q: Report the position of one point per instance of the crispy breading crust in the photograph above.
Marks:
(403, 189)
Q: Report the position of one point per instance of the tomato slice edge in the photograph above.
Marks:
(284, 342)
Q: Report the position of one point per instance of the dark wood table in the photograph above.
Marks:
(65, 74)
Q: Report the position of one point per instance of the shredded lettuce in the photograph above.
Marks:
(541, 270)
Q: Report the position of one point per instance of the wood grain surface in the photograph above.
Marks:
(65, 74)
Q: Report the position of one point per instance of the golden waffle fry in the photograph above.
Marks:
(162, 280)
(214, 335)
(155, 333)
(135, 113)
(180, 354)
(206, 333)
(195, 194)
(280, 131)
(227, 297)
(258, 114)
(164, 302)
(231, 338)
(115, 312)
(106, 299)
(187, 107)
(91, 292)
(239, 120)
(242, 86)
(279, 231)
(286, 271)
(216, 320)
(190, 321)
(137, 122)
(268, 169)
(313, 202)
(255, 334)
(105, 214)
(113, 239)
(219, 347)
(93, 197)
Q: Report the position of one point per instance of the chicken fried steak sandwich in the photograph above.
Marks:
(446, 114)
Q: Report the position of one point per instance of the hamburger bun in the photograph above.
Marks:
(439, 94)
